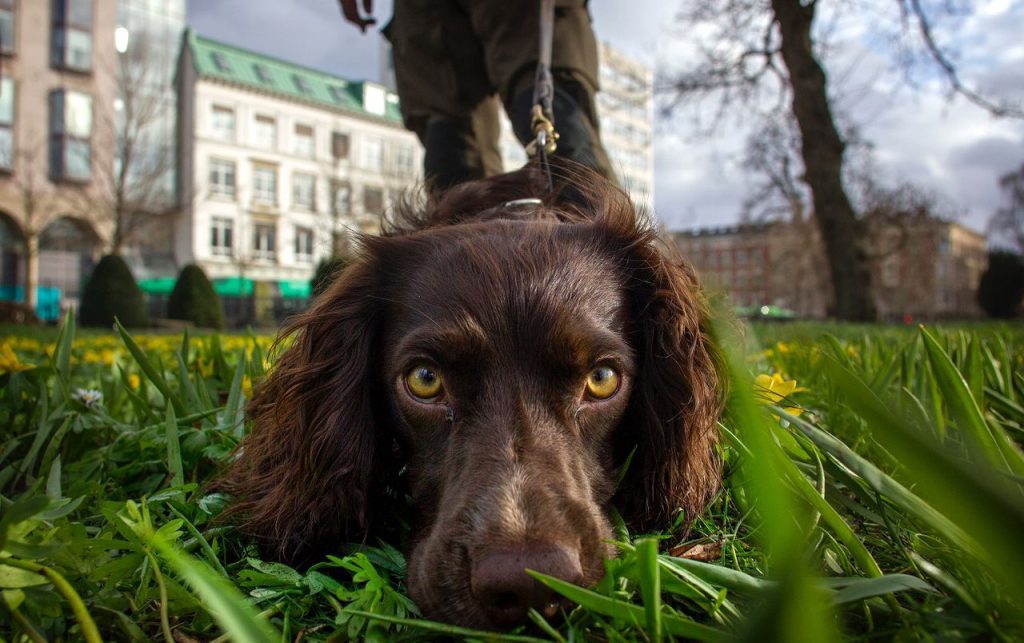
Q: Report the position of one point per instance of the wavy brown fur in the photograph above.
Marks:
(330, 434)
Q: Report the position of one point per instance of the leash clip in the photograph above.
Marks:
(545, 137)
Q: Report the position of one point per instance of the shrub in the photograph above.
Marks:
(193, 299)
(112, 292)
(1002, 285)
(326, 272)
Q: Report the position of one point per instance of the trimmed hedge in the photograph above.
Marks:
(1002, 285)
(193, 299)
(112, 292)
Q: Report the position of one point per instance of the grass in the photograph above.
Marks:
(872, 489)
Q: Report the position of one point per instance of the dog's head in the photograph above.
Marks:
(508, 361)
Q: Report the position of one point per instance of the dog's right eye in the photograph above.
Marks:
(423, 382)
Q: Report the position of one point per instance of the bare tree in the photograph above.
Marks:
(758, 49)
(1007, 224)
(38, 199)
(134, 191)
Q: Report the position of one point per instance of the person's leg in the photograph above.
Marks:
(510, 32)
(443, 90)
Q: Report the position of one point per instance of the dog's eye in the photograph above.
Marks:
(423, 382)
(602, 382)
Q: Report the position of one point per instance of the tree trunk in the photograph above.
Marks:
(31, 270)
(822, 151)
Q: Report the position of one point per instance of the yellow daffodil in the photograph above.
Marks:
(775, 388)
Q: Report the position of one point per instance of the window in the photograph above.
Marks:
(337, 94)
(222, 178)
(373, 154)
(890, 272)
(222, 123)
(265, 132)
(221, 236)
(339, 145)
(71, 46)
(6, 124)
(263, 74)
(304, 191)
(220, 61)
(305, 144)
(70, 129)
(373, 200)
(264, 241)
(342, 197)
(301, 84)
(404, 160)
(264, 185)
(6, 26)
(303, 245)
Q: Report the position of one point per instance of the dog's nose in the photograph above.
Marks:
(506, 592)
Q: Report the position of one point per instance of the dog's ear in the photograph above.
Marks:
(302, 477)
(670, 427)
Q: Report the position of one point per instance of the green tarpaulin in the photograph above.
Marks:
(233, 287)
(158, 286)
(295, 289)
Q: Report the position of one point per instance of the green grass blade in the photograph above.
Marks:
(65, 342)
(650, 585)
(997, 447)
(219, 597)
(174, 466)
(629, 613)
(444, 628)
(149, 371)
(859, 589)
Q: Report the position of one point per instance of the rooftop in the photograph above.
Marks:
(237, 66)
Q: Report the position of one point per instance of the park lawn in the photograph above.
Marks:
(873, 488)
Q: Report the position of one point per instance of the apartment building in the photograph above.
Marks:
(57, 129)
(922, 267)
(279, 165)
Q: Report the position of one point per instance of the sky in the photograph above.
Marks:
(918, 134)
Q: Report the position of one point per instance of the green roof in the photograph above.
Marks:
(238, 66)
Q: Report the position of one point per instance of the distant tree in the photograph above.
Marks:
(1007, 224)
(1002, 285)
(758, 49)
(194, 299)
(134, 192)
(111, 292)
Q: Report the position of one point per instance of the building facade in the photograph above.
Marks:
(279, 165)
(56, 140)
(922, 267)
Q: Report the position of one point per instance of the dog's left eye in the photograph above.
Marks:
(602, 382)
(423, 382)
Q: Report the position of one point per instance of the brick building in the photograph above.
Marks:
(922, 267)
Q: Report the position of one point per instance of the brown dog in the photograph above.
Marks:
(498, 356)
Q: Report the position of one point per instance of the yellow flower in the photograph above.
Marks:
(783, 347)
(9, 361)
(247, 386)
(134, 381)
(774, 388)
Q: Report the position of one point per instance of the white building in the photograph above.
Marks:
(278, 164)
(625, 106)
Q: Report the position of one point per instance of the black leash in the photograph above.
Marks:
(542, 117)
